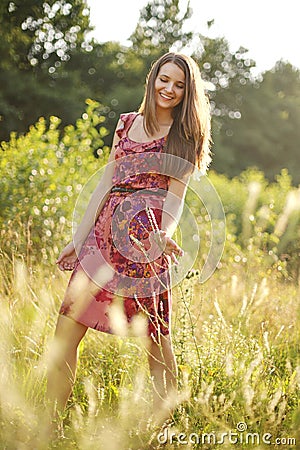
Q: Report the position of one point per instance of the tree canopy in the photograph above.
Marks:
(49, 66)
(38, 34)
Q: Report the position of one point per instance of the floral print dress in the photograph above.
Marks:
(120, 274)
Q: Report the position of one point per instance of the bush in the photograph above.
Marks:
(42, 173)
(262, 220)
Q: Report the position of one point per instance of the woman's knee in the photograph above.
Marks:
(161, 348)
(68, 333)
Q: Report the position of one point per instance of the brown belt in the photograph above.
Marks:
(161, 192)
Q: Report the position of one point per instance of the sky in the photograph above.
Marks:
(269, 29)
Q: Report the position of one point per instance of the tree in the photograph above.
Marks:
(225, 70)
(38, 40)
(40, 34)
(114, 75)
(267, 134)
(160, 27)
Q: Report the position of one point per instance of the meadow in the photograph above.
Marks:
(237, 346)
(236, 336)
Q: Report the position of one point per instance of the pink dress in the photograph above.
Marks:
(118, 263)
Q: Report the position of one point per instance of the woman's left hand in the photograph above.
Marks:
(168, 246)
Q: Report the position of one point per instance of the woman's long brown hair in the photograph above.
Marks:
(190, 135)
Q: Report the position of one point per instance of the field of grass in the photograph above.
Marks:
(236, 336)
(237, 345)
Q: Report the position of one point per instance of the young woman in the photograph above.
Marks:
(123, 247)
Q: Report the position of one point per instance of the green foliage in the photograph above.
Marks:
(266, 133)
(38, 39)
(235, 338)
(262, 221)
(223, 68)
(243, 340)
(160, 27)
(114, 75)
(41, 33)
(236, 341)
(42, 172)
(38, 95)
(49, 67)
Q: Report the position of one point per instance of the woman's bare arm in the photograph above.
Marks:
(171, 214)
(98, 198)
(68, 256)
(173, 205)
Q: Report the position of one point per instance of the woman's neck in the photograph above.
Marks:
(164, 117)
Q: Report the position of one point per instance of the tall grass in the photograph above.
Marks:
(236, 338)
(237, 345)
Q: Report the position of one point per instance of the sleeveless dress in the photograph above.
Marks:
(120, 274)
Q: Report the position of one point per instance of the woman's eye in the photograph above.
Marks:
(163, 80)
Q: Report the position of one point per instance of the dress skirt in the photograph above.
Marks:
(121, 280)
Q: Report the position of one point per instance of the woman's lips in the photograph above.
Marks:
(166, 97)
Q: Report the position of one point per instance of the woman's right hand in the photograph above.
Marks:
(68, 257)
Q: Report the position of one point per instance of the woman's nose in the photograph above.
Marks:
(169, 87)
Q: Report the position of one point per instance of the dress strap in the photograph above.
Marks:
(127, 119)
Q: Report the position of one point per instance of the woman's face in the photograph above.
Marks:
(169, 86)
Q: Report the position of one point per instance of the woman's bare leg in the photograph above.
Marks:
(62, 362)
(163, 371)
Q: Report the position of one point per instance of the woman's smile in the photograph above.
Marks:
(165, 96)
(169, 86)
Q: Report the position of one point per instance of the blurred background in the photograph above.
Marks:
(67, 70)
(56, 54)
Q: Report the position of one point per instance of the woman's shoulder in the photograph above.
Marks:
(128, 116)
(125, 122)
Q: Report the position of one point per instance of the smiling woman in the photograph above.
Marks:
(169, 86)
(175, 96)
(122, 252)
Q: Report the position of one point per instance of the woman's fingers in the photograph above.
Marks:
(66, 266)
(66, 262)
(67, 258)
(62, 256)
(59, 259)
(174, 259)
(172, 249)
(67, 252)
